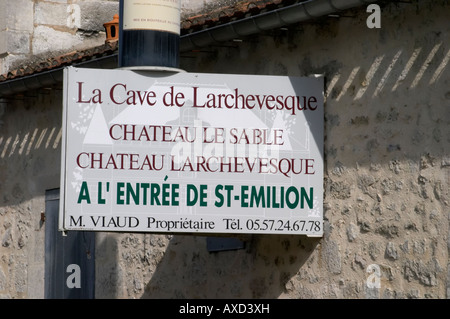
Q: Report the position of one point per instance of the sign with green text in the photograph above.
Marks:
(191, 153)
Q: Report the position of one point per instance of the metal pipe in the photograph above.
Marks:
(298, 12)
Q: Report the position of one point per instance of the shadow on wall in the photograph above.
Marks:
(30, 145)
(108, 272)
(383, 131)
(262, 269)
(181, 266)
(270, 266)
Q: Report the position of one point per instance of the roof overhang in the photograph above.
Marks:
(281, 17)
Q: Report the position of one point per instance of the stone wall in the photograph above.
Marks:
(387, 174)
(30, 157)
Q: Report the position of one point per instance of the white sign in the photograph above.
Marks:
(192, 153)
